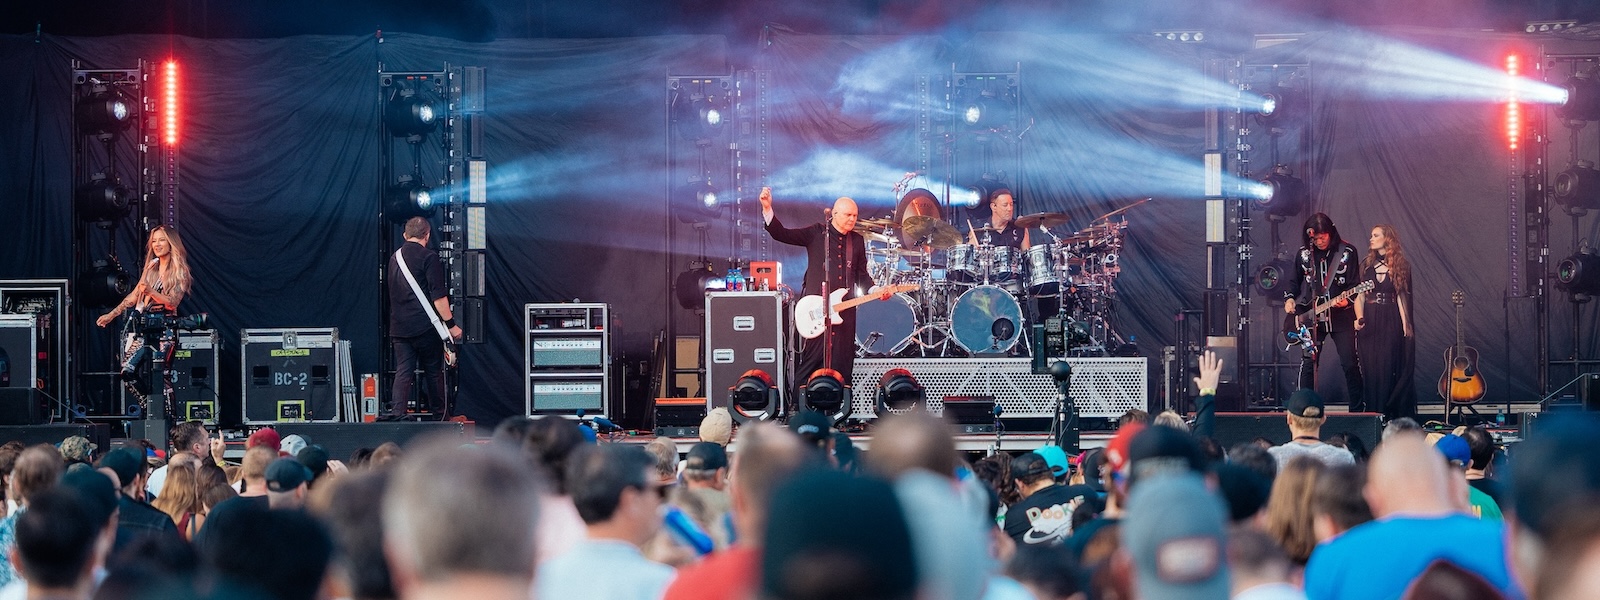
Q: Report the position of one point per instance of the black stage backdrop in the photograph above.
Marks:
(280, 160)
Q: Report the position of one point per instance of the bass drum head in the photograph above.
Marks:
(883, 325)
(986, 320)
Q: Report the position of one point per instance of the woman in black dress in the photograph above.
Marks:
(1388, 349)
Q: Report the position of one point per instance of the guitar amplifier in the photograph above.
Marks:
(290, 375)
(567, 359)
(744, 331)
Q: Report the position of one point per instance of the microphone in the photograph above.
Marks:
(604, 425)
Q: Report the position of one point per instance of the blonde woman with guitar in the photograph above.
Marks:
(1322, 290)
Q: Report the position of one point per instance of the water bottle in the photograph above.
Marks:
(728, 281)
(686, 531)
(738, 278)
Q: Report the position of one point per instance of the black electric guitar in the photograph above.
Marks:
(1297, 327)
(1461, 382)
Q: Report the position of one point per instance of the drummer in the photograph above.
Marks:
(1002, 232)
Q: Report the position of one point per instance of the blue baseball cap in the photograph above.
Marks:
(1056, 458)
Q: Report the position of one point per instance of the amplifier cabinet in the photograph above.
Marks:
(290, 375)
(19, 351)
(744, 331)
(195, 365)
(567, 359)
(47, 301)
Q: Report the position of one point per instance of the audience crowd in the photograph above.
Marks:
(799, 511)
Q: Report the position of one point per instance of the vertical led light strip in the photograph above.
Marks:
(170, 107)
(1513, 107)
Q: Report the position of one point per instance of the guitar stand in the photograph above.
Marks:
(1461, 408)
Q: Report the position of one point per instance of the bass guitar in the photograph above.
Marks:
(1461, 382)
(812, 316)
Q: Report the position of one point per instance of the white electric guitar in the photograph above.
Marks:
(812, 315)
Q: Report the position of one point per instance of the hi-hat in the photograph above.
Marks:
(873, 224)
(930, 231)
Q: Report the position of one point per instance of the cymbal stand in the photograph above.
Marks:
(934, 332)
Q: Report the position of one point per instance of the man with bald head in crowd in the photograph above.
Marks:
(836, 258)
(1419, 519)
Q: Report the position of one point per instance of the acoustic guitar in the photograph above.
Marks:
(1461, 382)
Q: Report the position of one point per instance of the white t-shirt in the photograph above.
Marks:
(1329, 454)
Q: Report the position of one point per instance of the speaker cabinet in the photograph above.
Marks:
(290, 375)
(744, 331)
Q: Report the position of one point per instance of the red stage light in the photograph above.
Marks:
(170, 106)
(1513, 107)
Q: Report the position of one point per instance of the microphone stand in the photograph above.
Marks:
(1064, 429)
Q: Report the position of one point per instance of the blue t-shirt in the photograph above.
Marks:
(1379, 559)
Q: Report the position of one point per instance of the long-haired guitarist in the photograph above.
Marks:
(836, 257)
(415, 337)
(1326, 268)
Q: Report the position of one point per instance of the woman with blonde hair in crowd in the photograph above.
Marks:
(181, 499)
(1290, 512)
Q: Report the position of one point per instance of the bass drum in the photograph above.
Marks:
(986, 320)
(884, 326)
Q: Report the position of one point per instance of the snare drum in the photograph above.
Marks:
(1005, 263)
(1043, 280)
(963, 264)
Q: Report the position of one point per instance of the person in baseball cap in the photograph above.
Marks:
(1056, 458)
(286, 483)
(77, 449)
(1175, 533)
(815, 430)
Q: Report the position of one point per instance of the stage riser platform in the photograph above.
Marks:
(1101, 387)
(1241, 428)
(343, 439)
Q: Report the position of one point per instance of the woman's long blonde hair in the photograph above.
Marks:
(180, 493)
(176, 280)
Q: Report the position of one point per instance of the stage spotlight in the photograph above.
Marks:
(898, 390)
(1273, 276)
(1579, 186)
(102, 200)
(409, 198)
(1583, 98)
(103, 285)
(411, 115)
(698, 201)
(986, 112)
(754, 397)
(1279, 106)
(975, 197)
(105, 113)
(1285, 195)
(825, 393)
(692, 285)
(698, 116)
(1579, 275)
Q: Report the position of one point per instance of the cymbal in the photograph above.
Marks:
(874, 224)
(896, 252)
(874, 236)
(1120, 210)
(930, 231)
(1046, 220)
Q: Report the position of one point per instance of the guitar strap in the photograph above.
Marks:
(427, 307)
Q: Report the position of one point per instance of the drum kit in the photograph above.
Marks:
(978, 299)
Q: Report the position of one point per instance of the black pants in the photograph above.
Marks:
(1345, 340)
(428, 351)
(815, 354)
